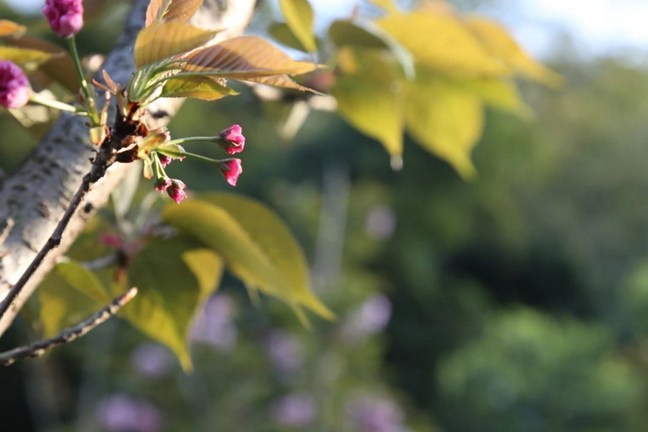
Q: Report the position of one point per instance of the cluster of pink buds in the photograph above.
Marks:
(163, 153)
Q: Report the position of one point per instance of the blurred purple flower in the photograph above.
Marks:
(152, 360)
(284, 350)
(65, 17)
(370, 318)
(295, 410)
(376, 414)
(214, 325)
(14, 85)
(381, 222)
(122, 413)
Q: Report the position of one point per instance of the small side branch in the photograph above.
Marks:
(70, 334)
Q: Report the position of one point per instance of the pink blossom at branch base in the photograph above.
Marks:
(14, 85)
(232, 139)
(177, 191)
(231, 169)
(65, 17)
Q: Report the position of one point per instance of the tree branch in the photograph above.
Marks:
(35, 198)
(70, 334)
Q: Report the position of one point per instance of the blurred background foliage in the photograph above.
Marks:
(517, 301)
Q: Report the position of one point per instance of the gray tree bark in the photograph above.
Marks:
(33, 199)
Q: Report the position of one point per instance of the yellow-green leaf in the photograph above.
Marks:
(256, 246)
(283, 81)
(199, 87)
(370, 36)
(282, 34)
(30, 59)
(10, 28)
(369, 97)
(68, 295)
(299, 18)
(501, 45)
(441, 42)
(165, 39)
(245, 57)
(445, 119)
(499, 93)
(388, 5)
(181, 10)
(174, 277)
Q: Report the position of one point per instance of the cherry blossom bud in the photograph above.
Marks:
(162, 184)
(231, 169)
(164, 160)
(65, 17)
(14, 85)
(177, 191)
(232, 139)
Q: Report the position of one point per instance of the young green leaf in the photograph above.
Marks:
(299, 18)
(445, 119)
(500, 44)
(29, 59)
(162, 40)
(256, 246)
(174, 277)
(245, 57)
(454, 50)
(69, 294)
(199, 87)
(282, 34)
(369, 97)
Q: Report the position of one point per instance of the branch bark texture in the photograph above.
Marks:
(33, 200)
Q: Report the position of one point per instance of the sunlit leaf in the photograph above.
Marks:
(181, 10)
(282, 34)
(199, 87)
(245, 57)
(501, 44)
(388, 5)
(68, 295)
(174, 276)
(441, 42)
(370, 36)
(60, 66)
(499, 93)
(29, 59)
(369, 98)
(162, 40)
(153, 11)
(10, 28)
(299, 18)
(256, 246)
(283, 81)
(445, 119)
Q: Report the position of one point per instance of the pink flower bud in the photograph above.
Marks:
(231, 169)
(65, 16)
(232, 139)
(162, 184)
(177, 191)
(164, 160)
(14, 85)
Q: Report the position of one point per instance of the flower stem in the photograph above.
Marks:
(52, 103)
(88, 95)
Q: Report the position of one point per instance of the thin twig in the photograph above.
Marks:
(70, 334)
(99, 165)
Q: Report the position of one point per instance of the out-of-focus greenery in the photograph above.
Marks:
(516, 302)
